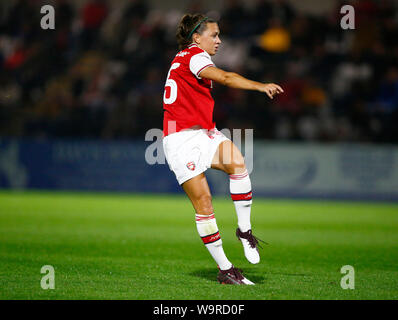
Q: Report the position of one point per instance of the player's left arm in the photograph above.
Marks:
(234, 80)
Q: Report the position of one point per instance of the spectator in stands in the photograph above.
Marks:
(339, 85)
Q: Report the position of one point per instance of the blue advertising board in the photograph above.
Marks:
(341, 171)
(82, 165)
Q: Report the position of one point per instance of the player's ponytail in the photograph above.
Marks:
(190, 24)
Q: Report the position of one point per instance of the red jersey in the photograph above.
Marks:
(187, 99)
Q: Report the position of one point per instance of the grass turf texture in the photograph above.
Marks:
(118, 246)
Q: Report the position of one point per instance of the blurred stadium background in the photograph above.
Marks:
(77, 102)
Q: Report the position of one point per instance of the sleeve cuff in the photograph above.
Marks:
(201, 69)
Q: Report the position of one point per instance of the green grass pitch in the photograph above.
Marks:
(129, 246)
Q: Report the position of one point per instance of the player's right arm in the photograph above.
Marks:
(234, 80)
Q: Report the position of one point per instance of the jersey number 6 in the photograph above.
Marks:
(172, 85)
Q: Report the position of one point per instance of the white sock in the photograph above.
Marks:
(241, 193)
(208, 231)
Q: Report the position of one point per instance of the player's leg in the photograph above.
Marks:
(229, 159)
(198, 192)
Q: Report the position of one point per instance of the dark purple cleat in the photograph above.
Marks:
(233, 276)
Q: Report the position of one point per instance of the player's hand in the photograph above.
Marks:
(271, 89)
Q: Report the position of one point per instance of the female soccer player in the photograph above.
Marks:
(192, 144)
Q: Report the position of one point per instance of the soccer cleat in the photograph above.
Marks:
(233, 276)
(250, 245)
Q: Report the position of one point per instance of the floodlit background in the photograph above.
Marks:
(101, 73)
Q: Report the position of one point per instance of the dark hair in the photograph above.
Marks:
(187, 24)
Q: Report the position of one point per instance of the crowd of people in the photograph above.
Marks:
(101, 72)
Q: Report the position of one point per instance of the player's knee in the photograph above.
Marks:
(237, 166)
(205, 204)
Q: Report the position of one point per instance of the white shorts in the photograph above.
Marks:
(190, 152)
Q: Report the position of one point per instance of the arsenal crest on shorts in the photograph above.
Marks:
(191, 165)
